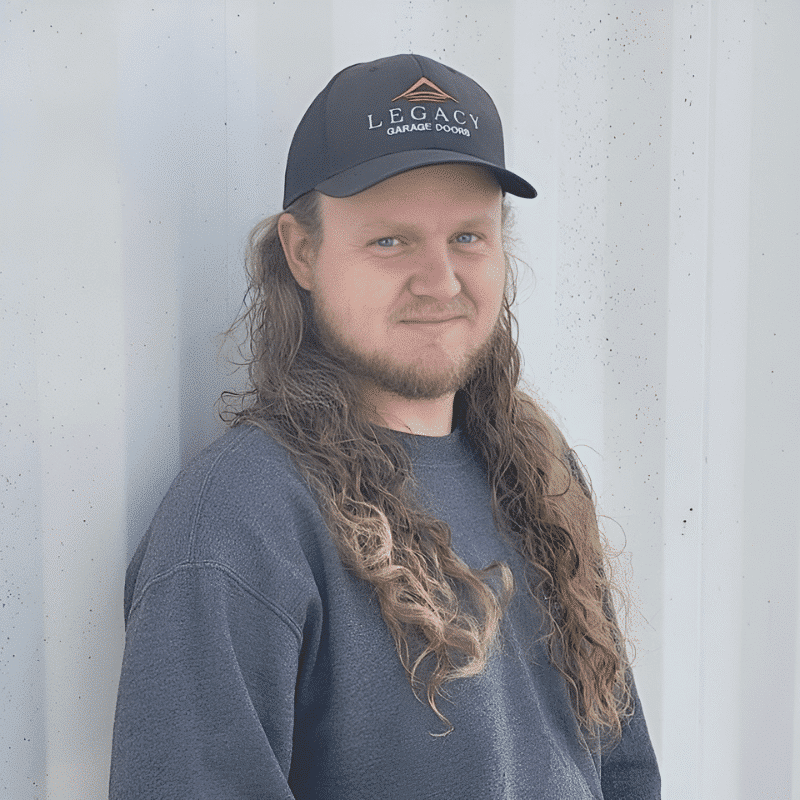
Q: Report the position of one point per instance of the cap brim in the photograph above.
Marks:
(361, 177)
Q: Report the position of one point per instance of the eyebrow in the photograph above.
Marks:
(386, 222)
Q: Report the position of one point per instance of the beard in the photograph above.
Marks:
(410, 380)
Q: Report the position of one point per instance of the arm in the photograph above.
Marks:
(206, 697)
(629, 771)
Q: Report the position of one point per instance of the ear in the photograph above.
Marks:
(297, 249)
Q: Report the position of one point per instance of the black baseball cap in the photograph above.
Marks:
(380, 118)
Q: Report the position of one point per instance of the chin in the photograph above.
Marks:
(421, 382)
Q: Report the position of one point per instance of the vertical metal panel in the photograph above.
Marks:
(63, 219)
(730, 47)
(23, 706)
(685, 397)
(769, 601)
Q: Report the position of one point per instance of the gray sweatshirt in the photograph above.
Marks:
(256, 666)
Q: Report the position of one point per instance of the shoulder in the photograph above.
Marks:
(231, 483)
(240, 455)
(240, 507)
(239, 467)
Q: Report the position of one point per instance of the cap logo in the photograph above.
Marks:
(424, 91)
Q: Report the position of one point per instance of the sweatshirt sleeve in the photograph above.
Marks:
(630, 770)
(206, 698)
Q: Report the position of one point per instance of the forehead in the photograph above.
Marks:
(436, 193)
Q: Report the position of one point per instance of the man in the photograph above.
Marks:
(386, 580)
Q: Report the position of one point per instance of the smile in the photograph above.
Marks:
(429, 321)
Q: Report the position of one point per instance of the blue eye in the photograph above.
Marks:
(387, 241)
(466, 238)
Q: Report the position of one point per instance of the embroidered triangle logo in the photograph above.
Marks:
(425, 91)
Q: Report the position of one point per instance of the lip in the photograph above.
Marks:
(436, 321)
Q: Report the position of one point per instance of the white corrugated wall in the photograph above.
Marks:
(139, 143)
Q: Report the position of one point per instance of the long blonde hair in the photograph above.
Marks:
(443, 615)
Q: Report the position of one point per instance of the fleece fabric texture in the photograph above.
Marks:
(256, 666)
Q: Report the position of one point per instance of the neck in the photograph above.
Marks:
(421, 417)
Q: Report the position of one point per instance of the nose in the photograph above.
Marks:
(434, 276)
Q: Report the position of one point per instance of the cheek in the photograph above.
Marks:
(357, 299)
(492, 288)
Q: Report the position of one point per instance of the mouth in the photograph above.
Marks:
(433, 321)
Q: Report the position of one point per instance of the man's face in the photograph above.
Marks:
(408, 282)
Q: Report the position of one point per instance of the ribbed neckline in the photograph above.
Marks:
(454, 448)
(450, 449)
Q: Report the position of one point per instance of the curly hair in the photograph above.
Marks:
(443, 616)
